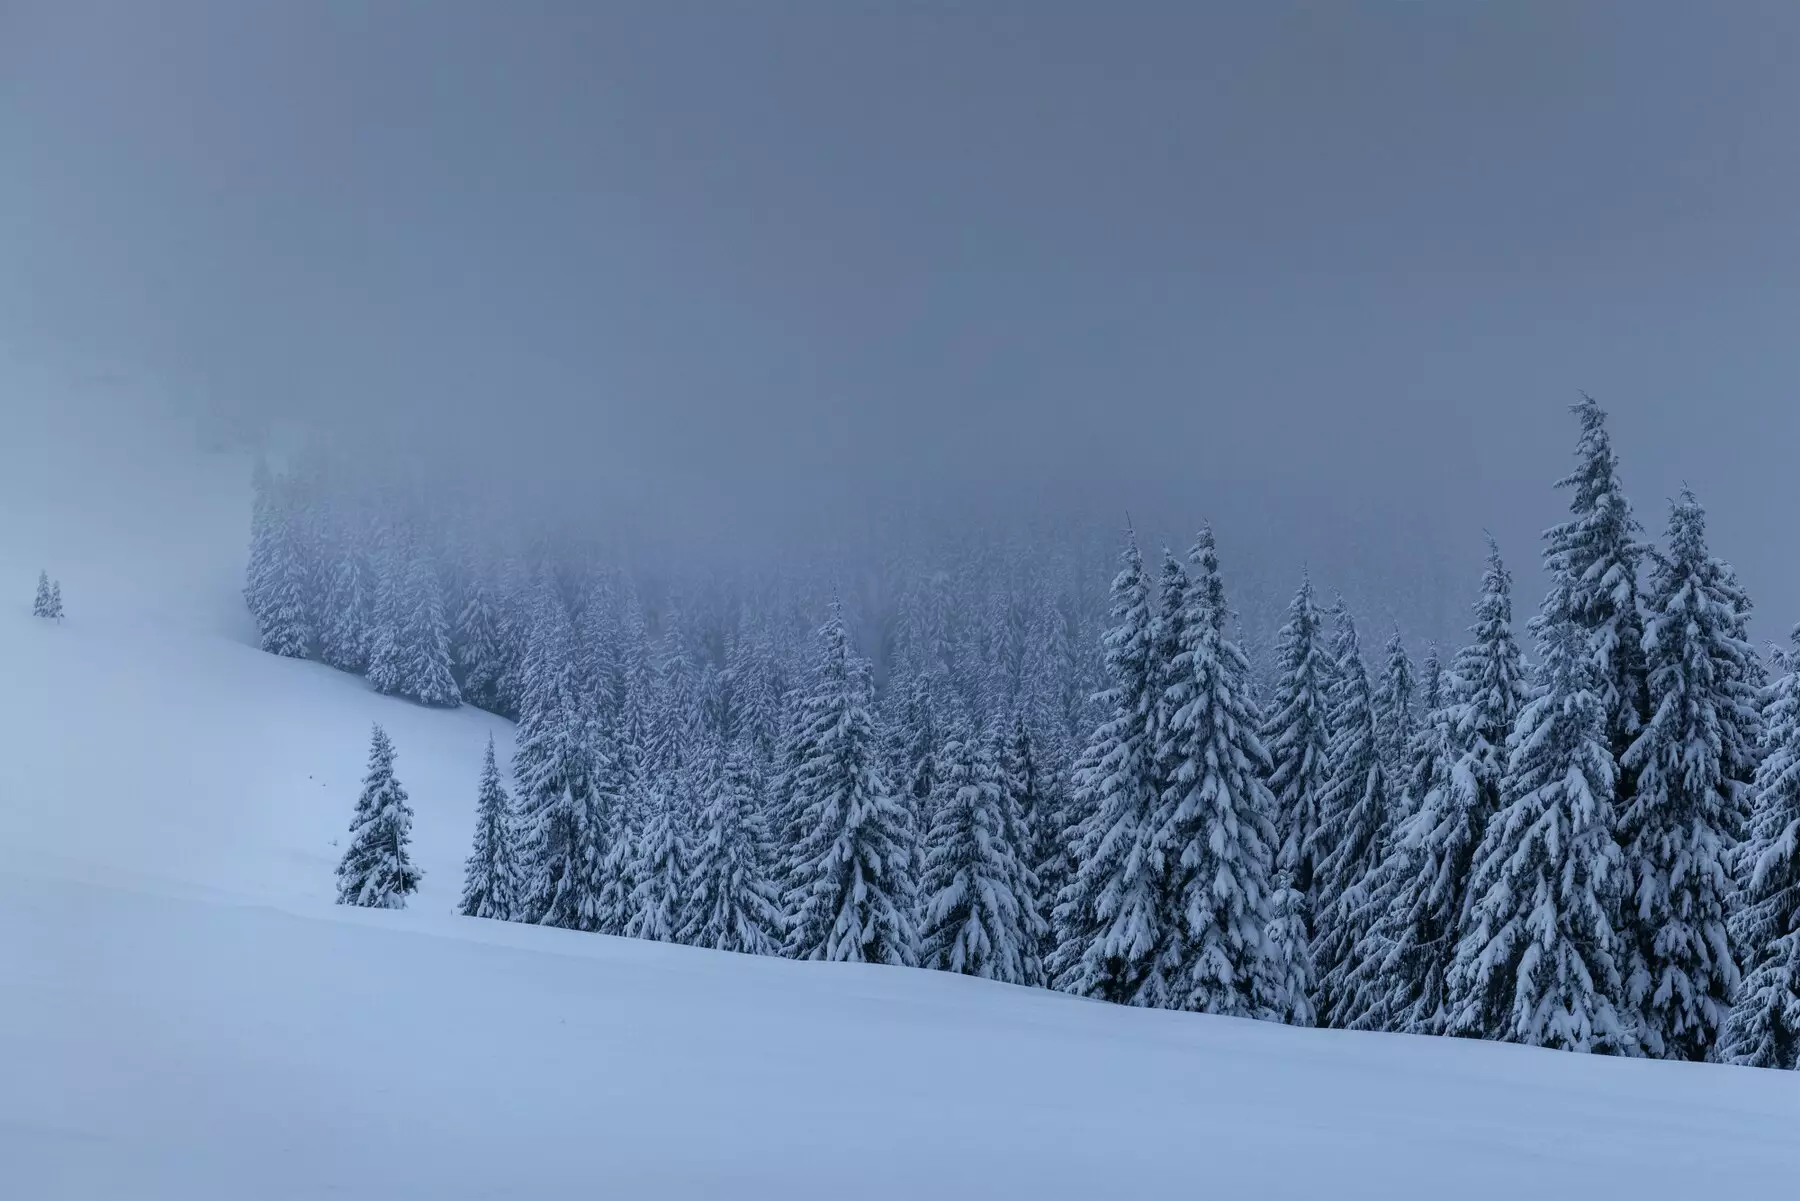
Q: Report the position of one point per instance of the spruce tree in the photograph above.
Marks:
(413, 651)
(853, 893)
(978, 918)
(376, 872)
(1592, 560)
(1210, 829)
(491, 877)
(1677, 830)
(1035, 802)
(1413, 900)
(1109, 932)
(479, 656)
(551, 773)
(733, 904)
(40, 607)
(661, 875)
(1764, 1027)
(1395, 720)
(283, 618)
(56, 605)
(1536, 961)
(1354, 816)
(348, 617)
(1298, 735)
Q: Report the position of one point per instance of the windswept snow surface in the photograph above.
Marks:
(184, 1014)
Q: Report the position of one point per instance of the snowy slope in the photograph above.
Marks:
(184, 1014)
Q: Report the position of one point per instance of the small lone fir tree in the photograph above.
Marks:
(40, 607)
(375, 872)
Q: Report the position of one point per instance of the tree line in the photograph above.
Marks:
(1595, 847)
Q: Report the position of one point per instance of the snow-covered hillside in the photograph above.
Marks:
(184, 1014)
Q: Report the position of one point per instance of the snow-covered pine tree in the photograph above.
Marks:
(1593, 562)
(281, 590)
(56, 605)
(853, 894)
(1298, 737)
(479, 656)
(661, 875)
(1395, 721)
(1210, 830)
(978, 918)
(550, 768)
(40, 606)
(1413, 905)
(416, 664)
(732, 902)
(349, 615)
(376, 872)
(1035, 802)
(1536, 961)
(490, 877)
(1355, 815)
(1414, 898)
(1288, 983)
(1764, 1027)
(600, 831)
(1107, 916)
(1677, 830)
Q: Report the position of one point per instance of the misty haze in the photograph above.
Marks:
(791, 599)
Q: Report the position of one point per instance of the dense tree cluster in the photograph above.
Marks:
(1595, 851)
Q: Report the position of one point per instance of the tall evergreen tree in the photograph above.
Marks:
(1109, 933)
(56, 605)
(40, 607)
(1593, 562)
(1298, 736)
(853, 893)
(1354, 816)
(348, 616)
(978, 916)
(1536, 961)
(733, 904)
(664, 854)
(1413, 901)
(1763, 1029)
(491, 877)
(1678, 829)
(550, 768)
(413, 649)
(1035, 802)
(1395, 720)
(1210, 829)
(376, 871)
(281, 588)
(480, 658)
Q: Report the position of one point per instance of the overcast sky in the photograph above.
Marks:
(1326, 273)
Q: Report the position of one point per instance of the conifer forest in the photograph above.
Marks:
(1578, 829)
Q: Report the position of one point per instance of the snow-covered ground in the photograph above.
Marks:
(184, 1014)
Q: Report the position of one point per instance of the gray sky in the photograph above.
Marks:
(1327, 273)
